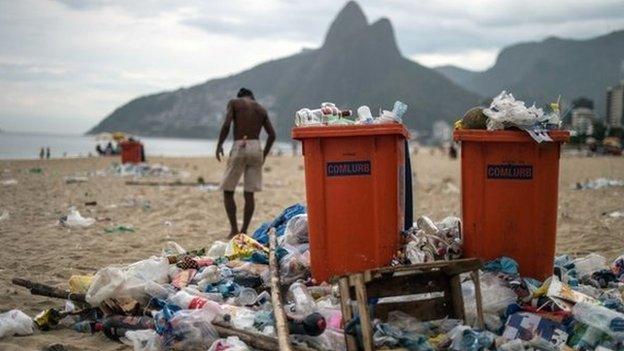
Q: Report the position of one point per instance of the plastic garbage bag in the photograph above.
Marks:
(295, 264)
(15, 322)
(506, 110)
(117, 282)
(142, 340)
(217, 249)
(232, 343)
(495, 296)
(296, 230)
(465, 339)
(279, 223)
(190, 330)
(74, 219)
(589, 264)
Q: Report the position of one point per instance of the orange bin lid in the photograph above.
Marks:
(510, 136)
(349, 130)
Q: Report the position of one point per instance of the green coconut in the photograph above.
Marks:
(475, 119)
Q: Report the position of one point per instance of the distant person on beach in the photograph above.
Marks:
(48, 152)
(246, 156)
(41, 153)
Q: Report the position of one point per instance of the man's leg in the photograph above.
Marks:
(230, 209)
(250, 205)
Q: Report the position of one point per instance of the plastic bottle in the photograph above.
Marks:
(185, 300)
(601, 318)
(313, 325)
(304, 303)
(364, 115)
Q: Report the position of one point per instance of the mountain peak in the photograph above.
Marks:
(350, 21)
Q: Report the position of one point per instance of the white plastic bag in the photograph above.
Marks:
(131, 281)
(15, 322)
(74, 219)
(142, 340)
(495, 297)
(296, 232)
(217, 249)
(505, 110)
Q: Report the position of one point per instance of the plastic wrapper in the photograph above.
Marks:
(15, 322)
(190, 330)
(496, 296)
(601, 318)
(79, 284)
(431, 241)
(143, 340)
(116, 282)
(296, 231)
(242, 246)
(232, 343)
(589, 264)
(465, 339)
(75, 219)
(217, 249)
(295, 265)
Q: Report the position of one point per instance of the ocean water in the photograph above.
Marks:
(27, 146)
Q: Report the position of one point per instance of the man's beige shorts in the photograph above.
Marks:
(245, 157)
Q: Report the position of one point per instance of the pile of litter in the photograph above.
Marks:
(192, 300)
(505, 112)
(143, 170)
(329, 114)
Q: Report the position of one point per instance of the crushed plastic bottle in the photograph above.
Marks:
(246, 296)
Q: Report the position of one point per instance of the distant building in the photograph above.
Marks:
(582, 121)
(615, 106)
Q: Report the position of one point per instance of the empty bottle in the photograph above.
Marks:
(313, 325)
(247, 296)
(304, 303)
(185, 300)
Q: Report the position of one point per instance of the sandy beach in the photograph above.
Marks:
(35, 247)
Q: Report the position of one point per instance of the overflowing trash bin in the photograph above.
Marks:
(355, 194)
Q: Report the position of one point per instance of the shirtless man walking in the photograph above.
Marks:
(246, 156)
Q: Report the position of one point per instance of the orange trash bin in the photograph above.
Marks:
(355, 191)
(130, 151)
(509, 190)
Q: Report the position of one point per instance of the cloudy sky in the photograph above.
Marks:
(66, 64)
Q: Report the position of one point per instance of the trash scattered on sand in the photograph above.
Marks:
(600, 183)
(74, 219)
(616, 214)
(144, 170)
(4, 216)
(8, 182)
(185, 299)
(15, 322)
(76, 179)
(122, 228)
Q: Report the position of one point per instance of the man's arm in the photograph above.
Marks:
(225, 130)
(268, 127)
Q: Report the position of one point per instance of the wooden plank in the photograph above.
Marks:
(347, 314)
(365, 322)
(425, 310)
(477, 284)
(462, 265)
(406, 284)
(456, 297)
(281, 325)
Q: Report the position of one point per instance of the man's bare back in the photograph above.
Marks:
(248, 117)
